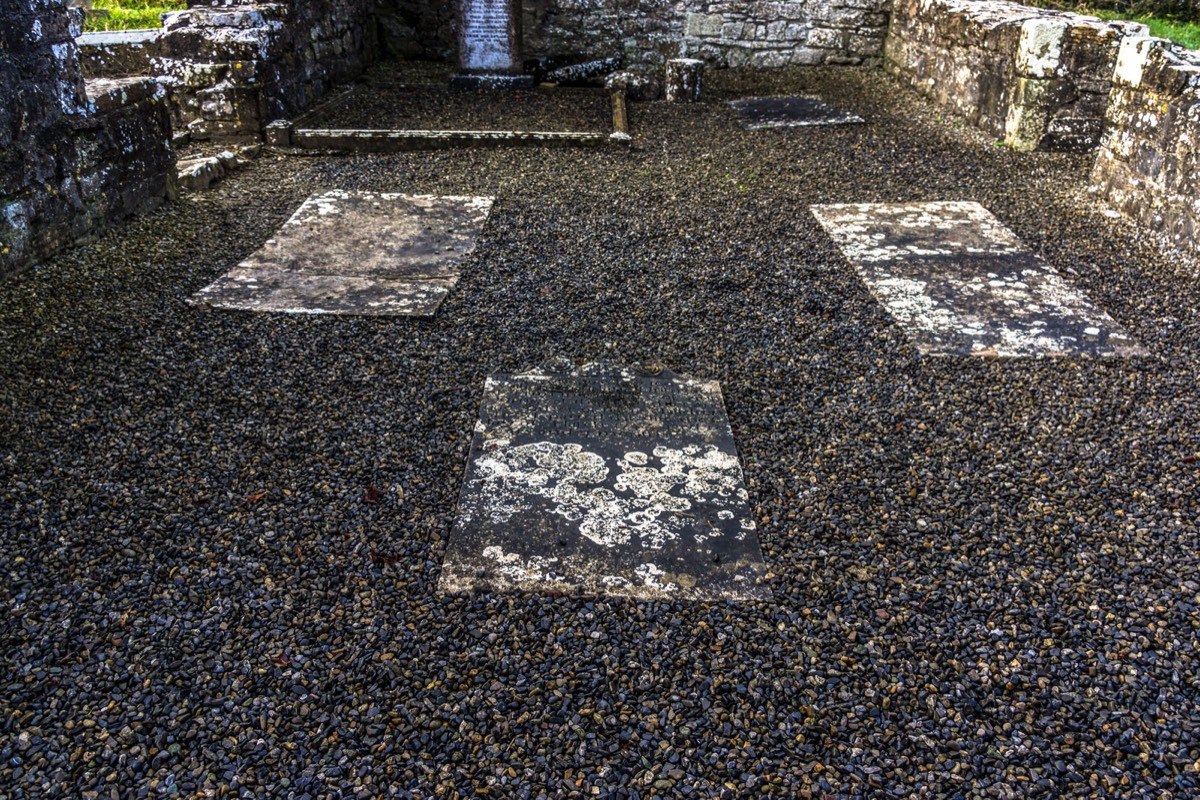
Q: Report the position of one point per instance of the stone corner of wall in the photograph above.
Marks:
(1145, 169)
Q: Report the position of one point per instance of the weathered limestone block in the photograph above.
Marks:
(118, 54)
(684, 79)
(637, 84)
(1147, 167)
(1037, 79)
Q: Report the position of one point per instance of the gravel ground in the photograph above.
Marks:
(985, 572)
(414, 97)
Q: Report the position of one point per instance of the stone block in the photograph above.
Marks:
(198, 174)
(704, 25)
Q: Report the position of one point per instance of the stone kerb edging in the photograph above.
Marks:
(1148, 166)
(1036, 79)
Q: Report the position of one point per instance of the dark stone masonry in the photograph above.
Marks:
(232, 68)
(735, 34)
(75, 154)
(87, 132)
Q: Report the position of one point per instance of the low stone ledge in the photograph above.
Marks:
(197, 174)
(118, 54)
(1037, 79)
(108, 94)
(386, 141)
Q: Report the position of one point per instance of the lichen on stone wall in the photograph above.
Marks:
(1035, 78)
(1146, 168)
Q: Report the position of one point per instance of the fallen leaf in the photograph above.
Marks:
(381, 559)
(373, 494)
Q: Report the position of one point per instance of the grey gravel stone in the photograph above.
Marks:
(199, 600)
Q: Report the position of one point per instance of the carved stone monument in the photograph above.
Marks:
(489, 45)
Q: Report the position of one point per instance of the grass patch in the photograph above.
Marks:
(1184, 33)
(1180, 31)
(126, 15)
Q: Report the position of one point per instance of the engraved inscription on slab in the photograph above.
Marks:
(789, 112)
(960, 283)
(487, 35)
(604, 481)
(357, 253)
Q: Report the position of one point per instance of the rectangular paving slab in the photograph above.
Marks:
(960, 283)
(367, 253)
(789, 112)
(604, 481)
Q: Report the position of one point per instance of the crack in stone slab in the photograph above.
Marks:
(604, 481)
(757, 113)
(366, 253)
(960, 283)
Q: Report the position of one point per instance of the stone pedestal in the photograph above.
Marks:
(489, 45)
(683, 79)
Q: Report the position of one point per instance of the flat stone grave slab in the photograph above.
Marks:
(600, 480)
(365, 253)
(960, 283)
(756, 113)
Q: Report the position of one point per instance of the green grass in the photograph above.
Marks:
(1178, 31)
(130, 14)
(1184, 33)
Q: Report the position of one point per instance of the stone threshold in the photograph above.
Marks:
(391, 141)
(287, 134)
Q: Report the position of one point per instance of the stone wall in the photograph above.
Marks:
(75, 155)
(1148, 166)
(759, 33)
(118, 54)
(1036, 79)
(233, 66)
(778, 34)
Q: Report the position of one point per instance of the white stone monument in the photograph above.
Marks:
(489, 45)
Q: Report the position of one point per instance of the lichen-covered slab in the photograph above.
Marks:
(604, 481)
(365, 253)
(960, 283)
(789, 112)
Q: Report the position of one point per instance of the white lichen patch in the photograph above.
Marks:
(959, 282)
(522, 569)
(371, 253)
(652, 577)
(599, 478)
(568, 481)
(1039, 52)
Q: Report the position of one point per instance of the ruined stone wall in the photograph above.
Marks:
(233, 66)
(760, 33)
(1148, 166)
(1036, 79)
(75, 156)
(415, 29)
